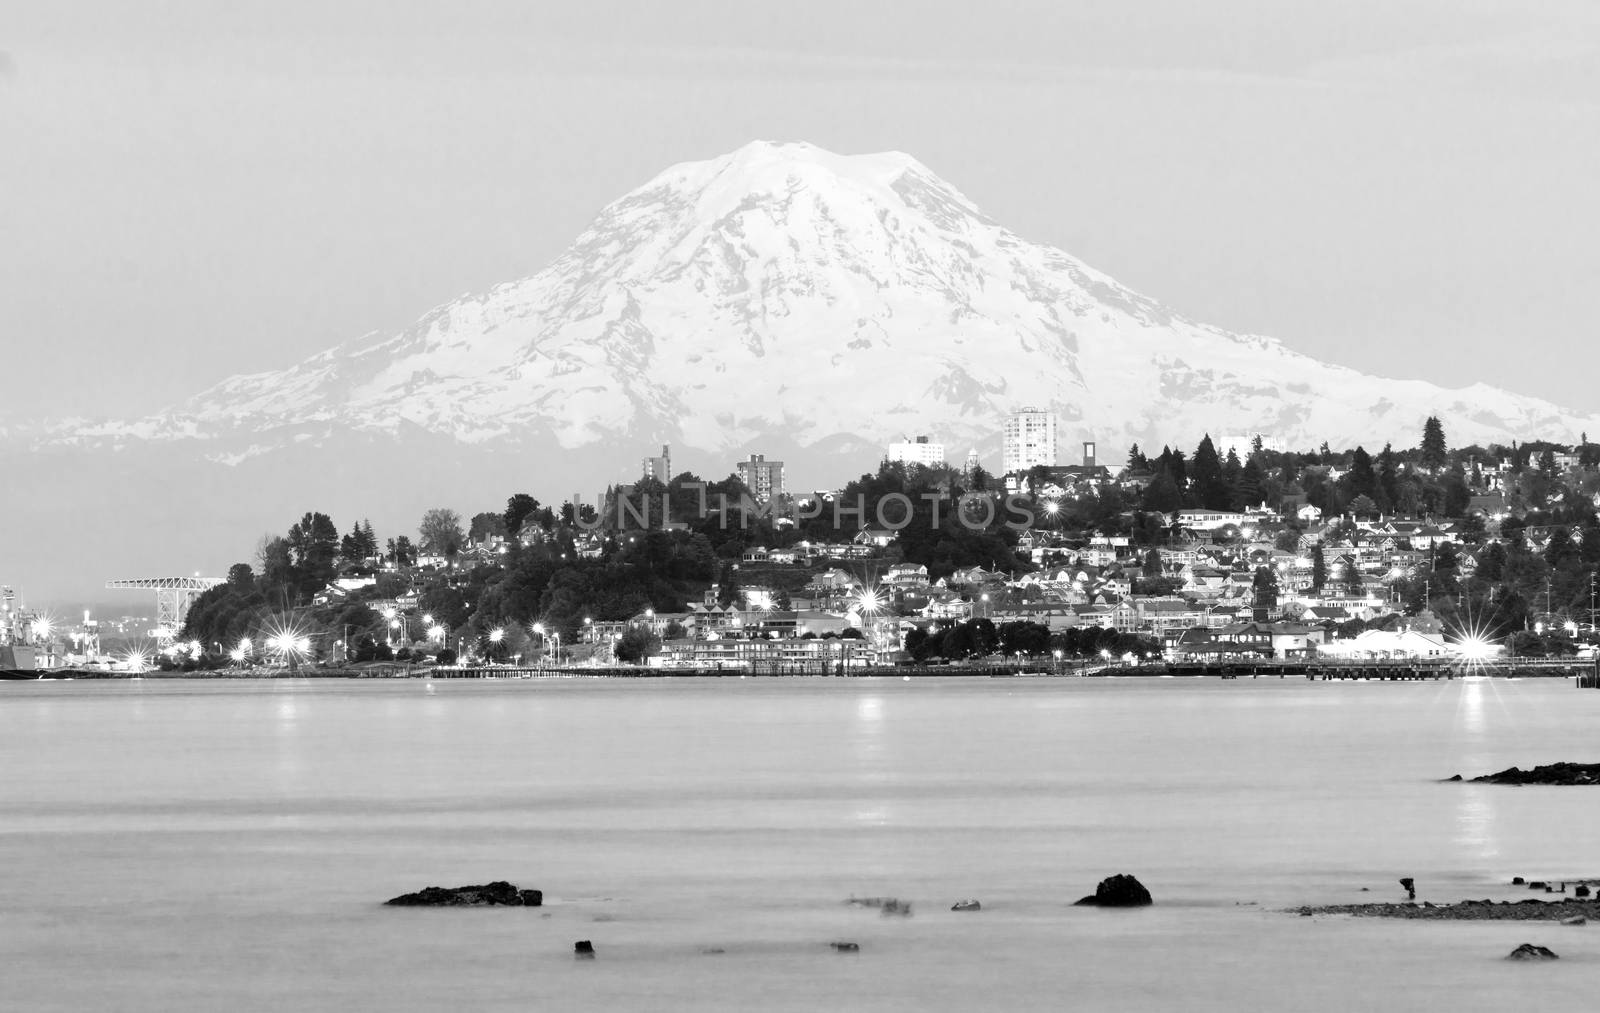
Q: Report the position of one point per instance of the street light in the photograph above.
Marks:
(495, 636)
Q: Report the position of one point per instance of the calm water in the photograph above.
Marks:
(224, 845)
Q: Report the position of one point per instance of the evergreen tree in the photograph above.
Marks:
(1433, 447)
(1231, 470)
(1265, 585)
(1162, 495)
(1209, 490)
(1136, 459)
(1388, 468)
(1457, 497)
(355, 546)
(1362, 479)
(1249, 486)
(1319, 568)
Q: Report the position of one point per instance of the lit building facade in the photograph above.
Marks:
(659, 468)
(1030, 439)
(762, 477)
(918, 451)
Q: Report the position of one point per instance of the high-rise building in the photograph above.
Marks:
(762, 477)
(917, 451)
(1030, 439)
(659, 468)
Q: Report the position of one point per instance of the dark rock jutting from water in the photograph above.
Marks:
(1119, 891)
(496, 894)
(1550, 773)
(1528, 951)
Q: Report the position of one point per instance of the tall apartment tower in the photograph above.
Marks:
(762, 477)
(918, 451)
(1030, 439)
(659, 468)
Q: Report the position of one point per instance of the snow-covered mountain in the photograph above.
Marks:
(780, 299)
(786, 295)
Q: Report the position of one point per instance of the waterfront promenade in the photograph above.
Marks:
(1585, 673)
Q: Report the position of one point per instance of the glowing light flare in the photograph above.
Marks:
(1474, 648)
(871, 600)
(287, 642)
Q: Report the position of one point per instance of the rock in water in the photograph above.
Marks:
(1575, 920)
(498, 893)
(1550, 773)
(1528, 951)
(1119, 891)
(844, 947)
(583, 949)
(966, 905)
(1409, 885)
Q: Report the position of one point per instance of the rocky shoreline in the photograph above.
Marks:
(1467, 910)
(1550, 773)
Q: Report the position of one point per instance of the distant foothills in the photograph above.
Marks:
(1248, 549)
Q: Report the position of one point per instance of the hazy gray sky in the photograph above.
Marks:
(194, 189)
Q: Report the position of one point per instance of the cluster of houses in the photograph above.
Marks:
(1195, 594)
(1207, 606)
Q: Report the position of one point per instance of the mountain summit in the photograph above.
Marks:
(780, 299)
(785, 295)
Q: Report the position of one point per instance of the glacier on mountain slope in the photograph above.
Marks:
(786, 290)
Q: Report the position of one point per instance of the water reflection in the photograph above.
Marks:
(1475, 822)
(1475, 810)
(288, 714)
(1472, 707)
(873, 765)
(869, 709)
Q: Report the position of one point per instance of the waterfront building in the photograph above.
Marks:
(762, 477)
(920, 450)
(1029, 439)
